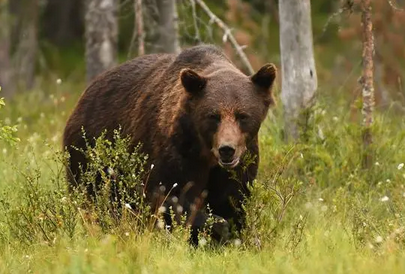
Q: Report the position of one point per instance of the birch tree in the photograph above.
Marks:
(367, 80)
(140, 33)
(299, 79)
(101, 26)
(168, 27)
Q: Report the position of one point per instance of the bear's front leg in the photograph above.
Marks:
(226, 194)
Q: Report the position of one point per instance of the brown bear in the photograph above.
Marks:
(196, 115)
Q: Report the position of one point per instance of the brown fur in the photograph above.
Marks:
(182, 109)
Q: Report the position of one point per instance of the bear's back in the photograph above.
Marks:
(142, 96)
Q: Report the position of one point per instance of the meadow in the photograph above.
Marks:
(314, 208)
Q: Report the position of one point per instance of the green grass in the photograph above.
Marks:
(340, 218)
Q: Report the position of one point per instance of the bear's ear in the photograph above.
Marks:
(191, 81)
(264, 78)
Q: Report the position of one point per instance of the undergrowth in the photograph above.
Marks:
(311, 199)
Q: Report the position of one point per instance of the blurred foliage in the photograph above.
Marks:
(336, 31)
(7, 132)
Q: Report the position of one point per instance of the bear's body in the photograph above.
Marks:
(196, 116)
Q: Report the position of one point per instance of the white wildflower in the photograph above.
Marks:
(377, 163)
(160, 224)
(237, 242)
(128, 206)
(152, 166)
(385, 199)
(127, 234)
(202, 242)
(179, 209)
(320, 199)
(335, 118)
(110, 171)
(400, 166)
(378, 239)
(162, 209)
(174, 185)
(59, 81)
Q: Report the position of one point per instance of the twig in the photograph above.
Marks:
(227, 35)
(197, 31)
(394, 6)
(346, 7)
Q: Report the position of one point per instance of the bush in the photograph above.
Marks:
(7, 133)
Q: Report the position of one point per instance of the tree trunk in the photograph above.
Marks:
(27, 43)
(62, 21)
(5, 64)
(139, 27)
(299, 79)
(168, 27)
(367, 80)
(101, 36)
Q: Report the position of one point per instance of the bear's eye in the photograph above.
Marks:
(242, 117)
(215, 117)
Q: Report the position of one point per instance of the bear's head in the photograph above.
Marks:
(227, 108)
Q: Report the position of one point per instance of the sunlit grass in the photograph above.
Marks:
(342, 218)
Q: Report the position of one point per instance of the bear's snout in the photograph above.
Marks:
(227, 158)
(229, 144)
(226, 153)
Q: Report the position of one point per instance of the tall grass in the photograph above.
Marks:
(313, 208)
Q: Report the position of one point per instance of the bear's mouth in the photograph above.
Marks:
(230, 164)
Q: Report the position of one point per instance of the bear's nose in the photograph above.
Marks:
(226, 153)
